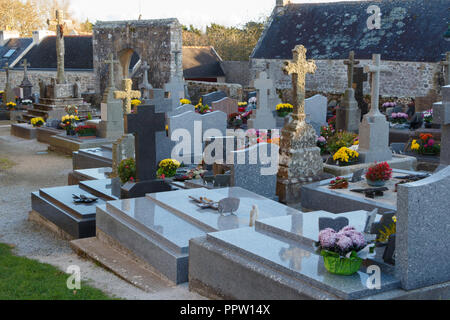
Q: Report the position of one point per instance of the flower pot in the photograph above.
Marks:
(339, 265)
(376, 184)
(346, 164)
(283, 114)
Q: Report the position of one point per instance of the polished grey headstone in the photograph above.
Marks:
(108, 189)
(94, 173)
(297, 261)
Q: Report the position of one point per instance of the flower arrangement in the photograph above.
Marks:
(428, 116)
(339, 140)
(242, 106)
(426, 145)
(339, 183)
(26, 102)
(340, 250)
(388, 231)
(235, 120)
(86, 131)
(378, 174)
(11, 105)
(322, 144)
(283, 109)
(71, 110)
(37, 122)
(69, 123)
(345, 156)
(202, 109)
(389, 104)
(185, 101)
(127, 170)
(135, 103)
(399, 117)
(332, 122)
(168, 168)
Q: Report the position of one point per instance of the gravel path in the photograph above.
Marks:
(33, 169)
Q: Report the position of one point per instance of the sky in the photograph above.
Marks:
(196, 12)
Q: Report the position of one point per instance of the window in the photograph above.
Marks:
(9, 53)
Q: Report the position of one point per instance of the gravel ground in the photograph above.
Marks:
(33, 169)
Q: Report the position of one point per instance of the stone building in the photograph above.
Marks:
(409, 39)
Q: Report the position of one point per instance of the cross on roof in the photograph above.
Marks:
(111, 63)
(375, 70)
(263, 85)
(298, 67)
(144, 124)
(127, 95)
(350, 63)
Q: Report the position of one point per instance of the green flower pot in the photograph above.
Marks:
(341, 266)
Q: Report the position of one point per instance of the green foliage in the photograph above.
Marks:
(339, 140)
(168, 168)
(127, 170)
(231, 43)
(89, 116)
(25, 279)
(387, 232)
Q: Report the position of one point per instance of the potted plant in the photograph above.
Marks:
(11, 106)
(346, 157)
(378, 174)
(68, 122)
(426, 145)
(37, 122)
(242, 106)
(428, 118)
(86, 132)
(283, 109)
(235, 120)
(340, 250)
(167, 168)
(184, 101)
(127, 170)
(202, 109)
(399, 117)
(135, 103)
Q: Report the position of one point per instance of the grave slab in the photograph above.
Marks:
(67, 144)
(92, 158)
(43, 134)
(23, 130)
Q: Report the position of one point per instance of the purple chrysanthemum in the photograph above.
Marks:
(343, 242)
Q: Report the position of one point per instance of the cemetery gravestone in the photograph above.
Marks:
(446, 65)
(441, 115)
(209, 98)
(145, 86)
(26, 86)
(122, 149)
(374, 129)
(316, 112)
(300, 158)
(348, 115)
(158, 99)
(144, 124)
(227, 105)
(262, 117)
(359, 77)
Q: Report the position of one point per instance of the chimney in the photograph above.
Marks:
(5, 35)
(40, 35)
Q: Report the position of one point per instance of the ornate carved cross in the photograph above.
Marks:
(126, 95)
(350, 63)
(111, 63)
(298, 67)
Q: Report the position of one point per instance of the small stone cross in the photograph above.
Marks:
(111, 63)
(263, 85)
(7, 68)
(145, 86)
(298, 67)
(127, 95)
(25, 66)
(144, 124)
(375, 70)
(350, 63)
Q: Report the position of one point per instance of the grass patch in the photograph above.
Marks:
(6, 164)
(25, 279)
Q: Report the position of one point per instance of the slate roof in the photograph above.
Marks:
(411, 30)
(201, 62)
(17, 44)
(78, 53)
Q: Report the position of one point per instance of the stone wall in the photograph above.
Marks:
(198, 88)
(87, 78)
(237, 72)
(407, 79)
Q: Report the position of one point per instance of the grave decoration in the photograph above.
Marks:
(194, 173)
(202, 109)
(426, 145)
(83, 199)
(386, 232)
(399, 118)
(339, 183)
(135, 103)
(167, 168)
(228, 205)
(127, 170)
(86, 131)
(346, 156)
(242, 106)
(37, 122)
(11, 106)
(378, 174)
(283, 109)
(371, 192)
(184, 101)
(428, 118)
(205, 203)
(69, 124)
(340, 250)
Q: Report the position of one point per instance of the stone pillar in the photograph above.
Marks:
(441, 115)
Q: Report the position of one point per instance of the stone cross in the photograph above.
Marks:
(176, 85)
(127, 95)
(446, 65)
(7, 68)
(59, 22)
(145, 86)
(298, 68)
(375, 70)
(111, 63)
(350, 63)
(25, 66)
(144, 124)
(263, 85)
